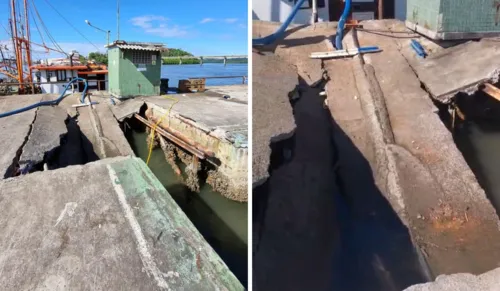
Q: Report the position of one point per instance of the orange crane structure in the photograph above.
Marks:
(20, 33)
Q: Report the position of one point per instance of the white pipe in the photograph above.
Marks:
(314, 17)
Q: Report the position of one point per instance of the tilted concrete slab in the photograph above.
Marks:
(46, 133)
(15, 127)
(273, 120)
(104, 225)
(419, 168)
(448, 71)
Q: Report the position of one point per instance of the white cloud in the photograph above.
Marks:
(207, 20)
(231, 20)
(157, 25)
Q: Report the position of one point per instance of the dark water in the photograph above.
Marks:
(222, 222)
(178, 72)
(479, 141)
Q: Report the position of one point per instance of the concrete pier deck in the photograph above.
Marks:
(381, 117)
(215, 125)
(78, 211)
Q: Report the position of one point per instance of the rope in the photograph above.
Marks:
(69, 23)
(156, 125)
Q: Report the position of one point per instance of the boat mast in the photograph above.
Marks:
(27, 44)
(22, 46)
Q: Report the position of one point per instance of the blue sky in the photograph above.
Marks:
(216, 27)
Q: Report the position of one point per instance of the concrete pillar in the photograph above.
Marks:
(201, 61)
(225, 61)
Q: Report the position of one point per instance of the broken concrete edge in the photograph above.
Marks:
(258, 181)
(463, 281)
(386, 154)
(161, 209)
(469, 90)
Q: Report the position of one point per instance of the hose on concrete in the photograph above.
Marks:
(48, 103)
(341, 24)
(279, 33)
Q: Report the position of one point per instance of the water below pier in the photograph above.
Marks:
(222, 222)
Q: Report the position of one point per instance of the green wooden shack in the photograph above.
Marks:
(454, 19)
(134, 68)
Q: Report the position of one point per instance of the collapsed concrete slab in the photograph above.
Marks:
(208, 124)
(15, 129)
(273, 82)
(448, 71)
(419, 168)
(104, 225)
(45, 137)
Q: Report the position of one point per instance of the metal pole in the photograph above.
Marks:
(380, 9)
(108, 35)
(314, 17)
(117, 19)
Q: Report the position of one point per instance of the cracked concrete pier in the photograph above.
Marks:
(87, 214)
(209, 125)
(398, 175)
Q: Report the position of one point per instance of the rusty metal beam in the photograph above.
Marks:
(172, 137)
(492, 91)
(180, 136)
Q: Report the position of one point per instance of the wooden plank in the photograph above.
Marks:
(492, 91)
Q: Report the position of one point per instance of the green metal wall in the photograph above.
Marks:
(125, 78)
(449, 16)
(114, 71)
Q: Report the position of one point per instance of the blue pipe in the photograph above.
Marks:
(47, 103)
(340, 27)
(279, 33)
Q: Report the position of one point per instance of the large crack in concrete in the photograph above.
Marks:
(13, 169)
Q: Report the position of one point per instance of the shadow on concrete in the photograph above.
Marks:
(375, 250)
(320, 221)
(281, 41)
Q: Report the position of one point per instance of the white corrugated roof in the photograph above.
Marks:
(140, 47)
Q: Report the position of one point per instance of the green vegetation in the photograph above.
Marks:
(194, 61)
(190, 61)
(99, 58)
(173, 52)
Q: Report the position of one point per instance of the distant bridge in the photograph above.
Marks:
(201, 58)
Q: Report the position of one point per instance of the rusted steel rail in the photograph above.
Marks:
(492, 91)
(179, 140)
(180, 136)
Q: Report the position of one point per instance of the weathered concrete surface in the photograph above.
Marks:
(238, 93)
(46, 133)
(101, 129)
(273, 79)
(489, 281)
(134, 238)
(461, 68)
(213, 123)
(419, 168)
(294, 221)
(15, 127)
